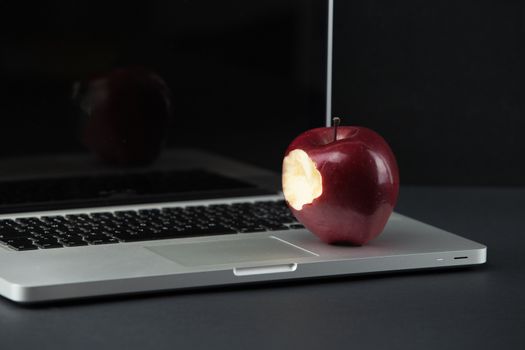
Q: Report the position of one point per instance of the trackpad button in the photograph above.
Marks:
(230, 251)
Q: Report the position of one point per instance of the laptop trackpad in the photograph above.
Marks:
(230, 251)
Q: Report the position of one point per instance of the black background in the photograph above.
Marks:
(442, 81)
(243, 78)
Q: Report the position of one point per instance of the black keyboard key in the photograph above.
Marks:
(41, 235)
(73, 243)
(39, 240)
(36, 229)
(195, 208)
(103, 215)
(53, 218)
(143, 231)
(101, 240)
(133, 235)
(77, 217)
(20, 244)
(27, 221)
(252, 229)
(296, 226)
(66, 230)
(149, 212)
(69, 237)
(125, 213)
(47, 242)
(50, 245)
(7, 222)
(172, 210)
(91, 235)
(9, 232)
(220, 207)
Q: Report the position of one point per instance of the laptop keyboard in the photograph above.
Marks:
(47, 232)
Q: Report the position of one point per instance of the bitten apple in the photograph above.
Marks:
(341, 183)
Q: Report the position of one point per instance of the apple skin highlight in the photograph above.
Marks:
(360, 184)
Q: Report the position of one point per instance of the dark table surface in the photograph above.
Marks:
(473, 308)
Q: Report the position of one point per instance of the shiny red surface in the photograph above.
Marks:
(360, 184)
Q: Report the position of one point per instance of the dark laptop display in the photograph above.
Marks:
(95, 96)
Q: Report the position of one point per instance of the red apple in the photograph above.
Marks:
(341, 183)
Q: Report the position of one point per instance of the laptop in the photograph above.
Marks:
(142, 146)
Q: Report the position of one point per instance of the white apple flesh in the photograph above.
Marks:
(302, 182)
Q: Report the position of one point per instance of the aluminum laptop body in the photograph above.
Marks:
(49, 273)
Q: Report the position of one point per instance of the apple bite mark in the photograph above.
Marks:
(302, 182)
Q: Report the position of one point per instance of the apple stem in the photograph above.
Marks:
(336, 121)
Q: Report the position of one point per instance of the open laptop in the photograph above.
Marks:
(141, 149)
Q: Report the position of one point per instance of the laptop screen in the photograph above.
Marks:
(116, 87)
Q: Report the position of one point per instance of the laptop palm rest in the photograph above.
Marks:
(234, 251)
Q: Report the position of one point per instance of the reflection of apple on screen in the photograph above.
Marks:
(126, 112)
